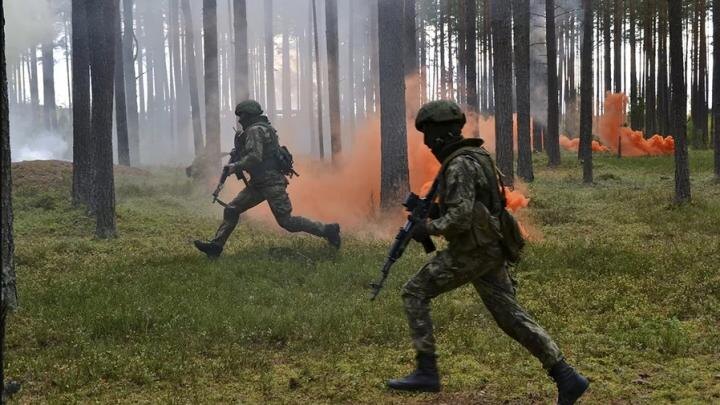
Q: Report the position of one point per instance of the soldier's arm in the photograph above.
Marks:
(254, 148)
(459, 198)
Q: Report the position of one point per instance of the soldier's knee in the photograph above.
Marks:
(231, 214)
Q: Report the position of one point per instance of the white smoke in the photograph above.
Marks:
(43, 146)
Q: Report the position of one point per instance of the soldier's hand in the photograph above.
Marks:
(420, 231)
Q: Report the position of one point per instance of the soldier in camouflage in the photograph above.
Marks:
(469, 202)
(258, 145)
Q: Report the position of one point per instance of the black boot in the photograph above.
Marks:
(211, 249)
(425, 378)
(332, 234)
(571, 384)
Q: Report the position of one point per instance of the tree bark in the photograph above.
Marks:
(394, 178)
(269, 60)
(502, 74)
(586, 92)
(716, 86)
(242, 88)
(701, 126)
(102, 61)
(607, 41)
(191, 61)
(48, 62)
(331, 21)
(412, 70)
(650, 113)
(551, 138)
(618, 20)
(212, 95)
(34, 87)
(133, 120)
(521, 14)
(121, 122)
(83, 167)
(318, 81)
(8, 299)
(471, 79)
(663, 105)
(679, 104)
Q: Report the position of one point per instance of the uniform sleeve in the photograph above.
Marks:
(254, 149)
(458, 197)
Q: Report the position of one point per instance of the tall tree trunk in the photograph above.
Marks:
(502, 74)
(191, 61)
(650, 113)
(663, 105)
(34, 92)
(133, 121)
(331, 21)
(607, 41)
(286, 75)
(394, 178)
(242, 88)
(551, 139)
(679, 104)
(634, 108)
(521, 14)
(586, 92)
(617, 44)
(269, 60)
(121, 122)
(83, 167)
(102, 61)
(48, 62)
(701, 126)
(471, 60)
(412, 71)
(318, 81)
(8, 295)
(716, 86)
(212, 95)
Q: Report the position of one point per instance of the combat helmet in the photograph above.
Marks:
(441, 111)
(248, 107)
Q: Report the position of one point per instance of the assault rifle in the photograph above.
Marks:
(419, 209)
(234, 157)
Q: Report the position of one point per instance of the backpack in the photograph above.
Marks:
(512, 241)
(285, 162)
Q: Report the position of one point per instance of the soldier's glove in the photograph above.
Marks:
(420, 232)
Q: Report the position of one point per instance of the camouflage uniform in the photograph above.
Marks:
(467, 186)
(258, 146)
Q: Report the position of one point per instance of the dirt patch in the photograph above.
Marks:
(43, 175)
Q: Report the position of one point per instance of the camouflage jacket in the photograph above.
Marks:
(468, 197)
(258, 146)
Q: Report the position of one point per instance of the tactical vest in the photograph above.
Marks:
(271, 146)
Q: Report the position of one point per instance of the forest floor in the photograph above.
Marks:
(627, 284)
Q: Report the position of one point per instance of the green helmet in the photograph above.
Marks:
(248, 107)
(441, 111)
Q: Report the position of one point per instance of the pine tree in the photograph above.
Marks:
(394, 172)
(82, 143)
(551, 139)
(521, 14)
(679, 103)
(586, 92)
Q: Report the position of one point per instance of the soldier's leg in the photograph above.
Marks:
(279, 201)
(246, 199)
(498, 294)
(441, 274)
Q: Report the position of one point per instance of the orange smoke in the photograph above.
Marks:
(614, 133)
(573, 145)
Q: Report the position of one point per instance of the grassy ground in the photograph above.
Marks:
(627, 284)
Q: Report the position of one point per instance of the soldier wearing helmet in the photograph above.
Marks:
(469, 207)
(258, 146)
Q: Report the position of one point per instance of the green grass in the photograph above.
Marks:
(627, 284)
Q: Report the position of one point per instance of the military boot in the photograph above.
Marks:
(571, 384)
(425, 378)
(211, 249)
(332, 234)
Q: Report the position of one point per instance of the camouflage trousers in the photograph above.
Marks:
(279, 201)
(489, 275)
